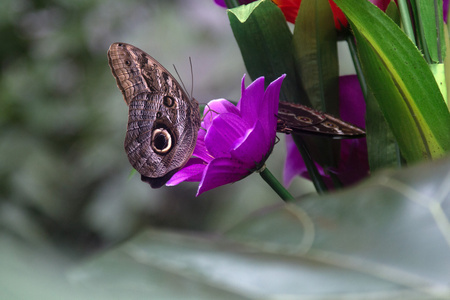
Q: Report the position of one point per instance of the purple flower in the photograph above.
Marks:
(353, 164)
(222, 2)
(445, 10)
(234, 141)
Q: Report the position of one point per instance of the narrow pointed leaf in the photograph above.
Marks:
(447, 66)
(393, 12)
(382, 148)
(315, 52)
(433, 35)
(315, 45)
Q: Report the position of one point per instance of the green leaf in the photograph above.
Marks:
(265, 42)
(315, 45)
(428, 16)
(315, 52)
(430, 30)
(382, 148)
(389, 237)
(401, 82)
(447, 66)
(393, 12)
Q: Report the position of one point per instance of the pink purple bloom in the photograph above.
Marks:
(222, 2)
(234, 141)
(353, 165)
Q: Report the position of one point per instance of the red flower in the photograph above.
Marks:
(290, 10)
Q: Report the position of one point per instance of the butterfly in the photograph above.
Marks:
(163, 122)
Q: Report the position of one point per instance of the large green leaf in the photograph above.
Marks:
(388, 237)
(401, 82)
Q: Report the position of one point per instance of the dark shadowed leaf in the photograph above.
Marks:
(316, 58)
(265, 42)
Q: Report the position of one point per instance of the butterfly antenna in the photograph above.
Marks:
(192, 77)
(181, 80)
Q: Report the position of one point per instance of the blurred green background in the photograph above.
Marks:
(64, 175)
(67, 198)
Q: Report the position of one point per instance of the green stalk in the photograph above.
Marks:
(354, 53)
(316, 178)
(406, 20)
(276, 185)
(438, 33)
(422, 43)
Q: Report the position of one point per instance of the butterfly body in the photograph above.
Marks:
(163, 122)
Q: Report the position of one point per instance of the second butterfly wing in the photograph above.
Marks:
(300, 119)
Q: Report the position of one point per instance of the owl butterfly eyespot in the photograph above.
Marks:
(300, 119)
(163, 122)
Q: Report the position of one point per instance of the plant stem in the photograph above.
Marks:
(406, 20)
(354, 54)
(276, 185)
(316, 178)
(438, 32)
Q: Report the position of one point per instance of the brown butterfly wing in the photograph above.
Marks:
(300, 119)
(163, 122)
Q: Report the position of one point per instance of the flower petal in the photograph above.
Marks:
(353, 163)
(340, 21)
(253, 148)
(221, 3)
(251, 100)
(230, 147)
(219, 172)
(351, 101)
(192, 171)
(222, 134)
(201, 152)
(295, 165)
(268, 108)
(215, 108)
(289, 8)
